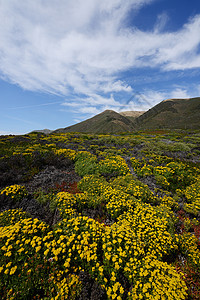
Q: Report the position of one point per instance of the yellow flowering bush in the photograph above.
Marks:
(92, 184)
(169, 201)
(66, 203)
(192, 194)
(21, 254)
(154, 280)
(193, 208)
(132, 186)
(77, 243)
(113, 165)
(141, 191)
(67, 288)
(118, 202)
(172, 175)
(11, 216)
(145, 170)
(151, 229)
(15, 192)
(85, 155)
(188, 245)
(71, 154)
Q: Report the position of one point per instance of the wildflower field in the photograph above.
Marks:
(86, 216)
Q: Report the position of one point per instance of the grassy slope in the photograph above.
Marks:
(106, 122)
(172, 113)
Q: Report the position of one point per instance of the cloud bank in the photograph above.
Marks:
(78, 49)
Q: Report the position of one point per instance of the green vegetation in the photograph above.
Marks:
(172, 113)
(88, 216)
(106, 122)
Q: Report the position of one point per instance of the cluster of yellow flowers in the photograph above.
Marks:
(15, 192)
(27, 151)
(19, 241)
(84, 155)
(68, 288)
(169, 175)
(66, 203)
(71, 154)
(192, 194)
(114, 164)
(118, 202)
(137, 235)
(150, 229)
(169, 201)
(160, 280)
(188, 245)
(93, 184)
(11, 216)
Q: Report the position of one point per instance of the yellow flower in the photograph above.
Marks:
(9, 253)
(46, 252)
(13, 269)
(38, 248)
(6, 271)
(8, 264)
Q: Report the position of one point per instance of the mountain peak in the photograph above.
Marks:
(108, 111)
(107, 121)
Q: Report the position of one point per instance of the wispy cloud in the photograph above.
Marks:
(162, 20)
(81, 47)
(36, 105)
(137, 102)
(22, 120)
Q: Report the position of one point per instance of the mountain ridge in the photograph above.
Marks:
(172, 113)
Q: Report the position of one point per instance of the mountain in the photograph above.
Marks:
(108, 121)
(172, 114)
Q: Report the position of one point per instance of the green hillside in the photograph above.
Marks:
(172, 113)
(108, 121)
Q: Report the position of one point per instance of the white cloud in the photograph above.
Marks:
(162, 20)
(180, 49)
(80, 47)
(92, 105)
(54, 48)
(89, 110)
(150, 98)
(180, 93)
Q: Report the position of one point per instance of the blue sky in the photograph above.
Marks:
(64, 61)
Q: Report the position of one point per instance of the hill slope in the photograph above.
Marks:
(108, 121)
(132, 115)
(172, 114)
